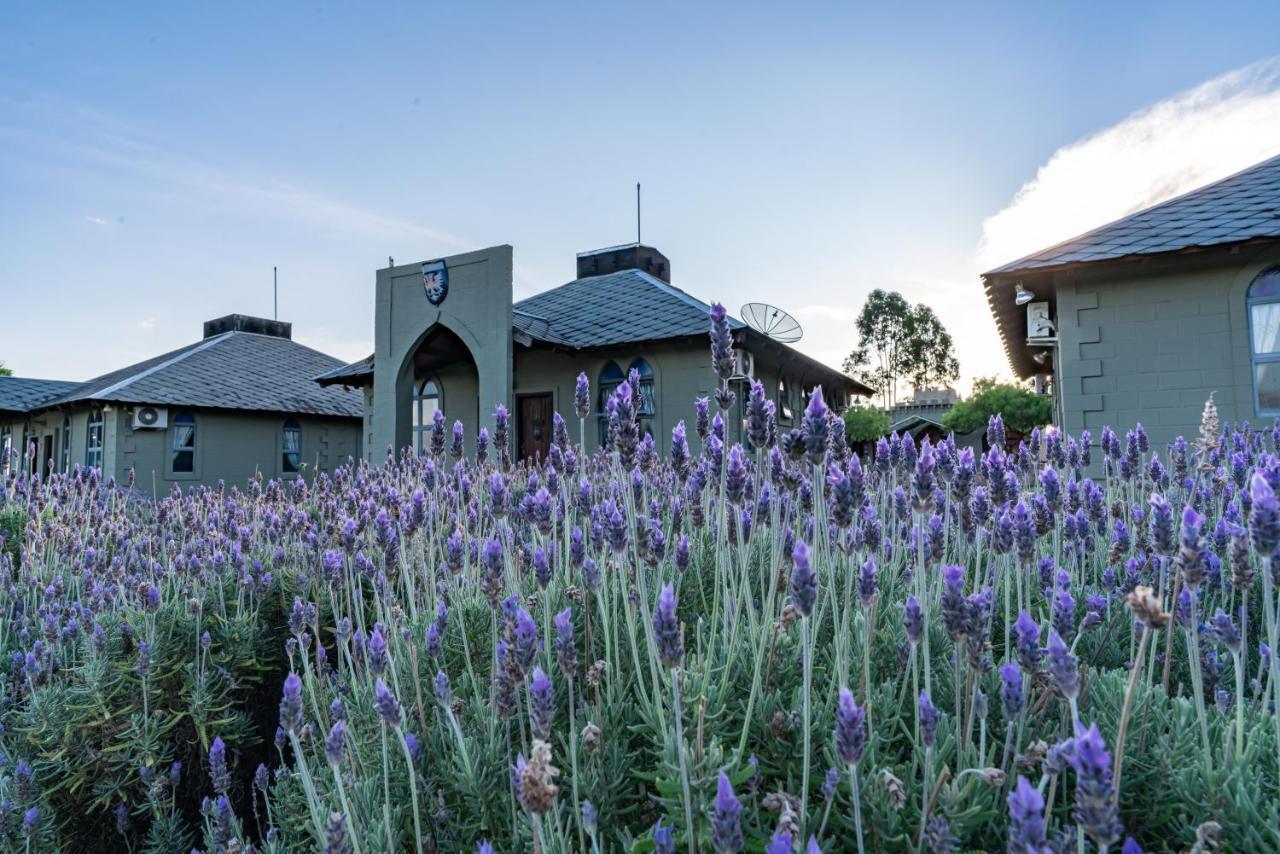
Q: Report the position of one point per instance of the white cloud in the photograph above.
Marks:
(1175, 145)
(96, 220)
(147, 323)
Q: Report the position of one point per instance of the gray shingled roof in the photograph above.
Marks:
(234, 370)
(1245, 206)
(617, 308)
(602, 311)
(19, 394)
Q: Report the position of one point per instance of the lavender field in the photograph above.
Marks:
(1062, 644)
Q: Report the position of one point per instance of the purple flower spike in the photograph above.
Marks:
(1264, 516)
(566, 650)
(218, 772)
(851, 728)
(779, 844)
(1011, 689)
(386, 704)
(668, 634)
(1026, 820)
(726, 824)
(542, 705)
(291, 703)
(1095, 808)
(1063, 666)
(815, 427)
(334, 742)
(804, 584)
(928, 720)
(663, 840)
(913, 620)
(582, 396)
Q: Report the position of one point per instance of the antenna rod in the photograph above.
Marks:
(275, 294)
(637, 211)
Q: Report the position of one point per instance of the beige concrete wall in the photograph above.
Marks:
(682, 373)
(230, 446)
(1149, 342)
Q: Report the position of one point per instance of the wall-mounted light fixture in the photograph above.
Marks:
(1022, 296)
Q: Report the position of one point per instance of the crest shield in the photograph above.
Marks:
(435, 281)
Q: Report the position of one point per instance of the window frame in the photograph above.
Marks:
(421, 422)
(290, 425)
(96, 431)
(65, 456)
(604, 390)
(1255, 358)
(183, 418)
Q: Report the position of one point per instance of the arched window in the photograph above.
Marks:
(1264, 335)
(66, 443)
(610, 378)
(183, 460)
(93, 440)
(648, 403)
(784, 401)
(291, 447)
(6, 448)
(426, 403)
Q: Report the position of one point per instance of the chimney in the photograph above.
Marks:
(246, 323)
(631, 256)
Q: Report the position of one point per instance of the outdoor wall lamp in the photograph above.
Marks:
(1022, 296)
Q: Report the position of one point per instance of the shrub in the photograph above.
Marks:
(1020, 408)
(865, 423)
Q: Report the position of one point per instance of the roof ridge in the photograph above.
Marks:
(102, 394)
(1013, 265)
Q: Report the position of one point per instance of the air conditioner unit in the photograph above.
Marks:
(744, 365)
(150, 418)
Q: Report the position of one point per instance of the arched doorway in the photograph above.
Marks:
(439, 375)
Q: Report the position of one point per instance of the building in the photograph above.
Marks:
(238, 402)
(1142, 319)
(448, 337)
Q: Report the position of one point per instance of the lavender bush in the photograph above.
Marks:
(683, 646)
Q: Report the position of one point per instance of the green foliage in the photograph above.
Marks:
(12, 522)
(1021, 408)
(5, 372)
(865, 423)
(900, 343)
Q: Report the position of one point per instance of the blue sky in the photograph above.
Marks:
(155, 164)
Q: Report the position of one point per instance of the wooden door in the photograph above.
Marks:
(535, 426)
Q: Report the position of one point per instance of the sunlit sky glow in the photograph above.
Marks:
(156, 163)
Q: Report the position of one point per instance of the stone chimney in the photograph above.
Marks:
(246, 323)
(631, 256)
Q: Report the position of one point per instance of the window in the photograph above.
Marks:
(784, 401)
(648, 405)
(426, 403)
(291, 448)
(66, 443)
(611, 377)
(1264, 336)
(93, 440)
(6, 449)
(183, 460)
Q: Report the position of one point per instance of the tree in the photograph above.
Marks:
(1019, 407)
(865, 424)
(5, 372)
(900, 343)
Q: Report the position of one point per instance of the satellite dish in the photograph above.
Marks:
(772, 321)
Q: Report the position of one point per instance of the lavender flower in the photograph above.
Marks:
(851, 729)
(542, 707)
(335, 742)
(815, 427)
(1026, 820)
(1264, 517)
(668, 633)
(1011, 689)
(928, 720)
(1095, 808)
(386, 704)
(582, 396)
(1063, 666)
(726, 823)
(291, 703)
(663, 840)
(913, 620)
(218, 772)
(804, 584)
